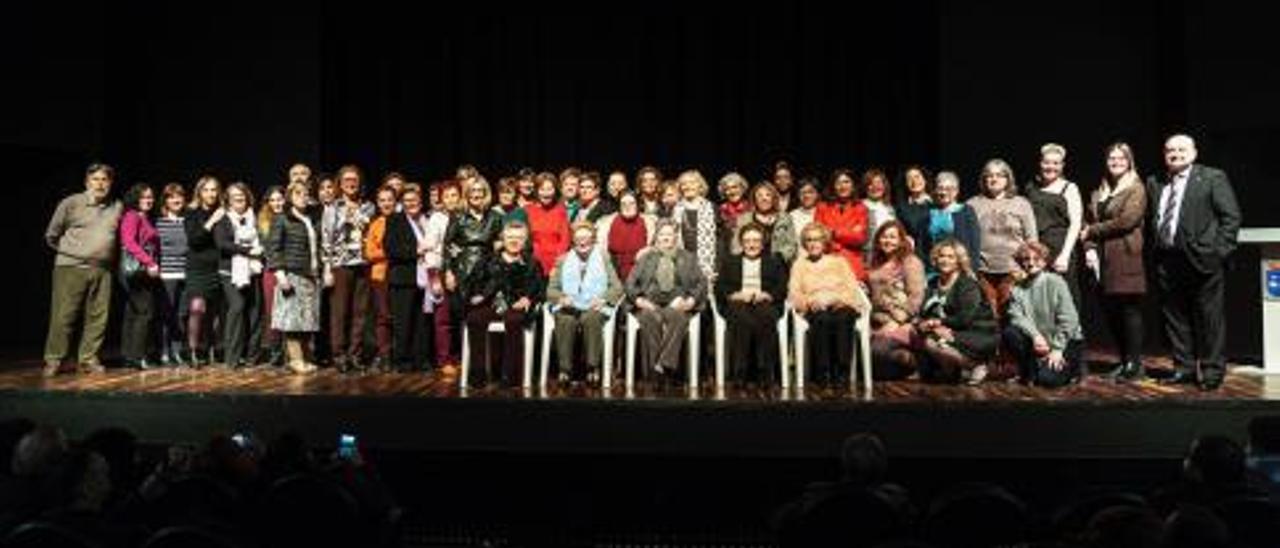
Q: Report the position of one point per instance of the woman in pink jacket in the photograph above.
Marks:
(140, 273)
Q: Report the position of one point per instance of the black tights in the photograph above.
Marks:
(1124, 318)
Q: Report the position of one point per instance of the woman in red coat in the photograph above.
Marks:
(548, 222)
(846, 217)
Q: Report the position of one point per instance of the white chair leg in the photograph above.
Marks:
(695, 343)
(527, 378)
(720, 333)
(466, 358)
(633, 326)
(864, 351)
(802, 357)
(548, 334)
(783, 355)
(606, 373)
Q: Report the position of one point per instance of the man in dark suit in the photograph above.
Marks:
(1194, 220)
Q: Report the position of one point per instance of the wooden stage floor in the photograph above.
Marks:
(1096, 418)
(269, 381)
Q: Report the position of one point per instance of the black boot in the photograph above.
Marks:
(1129, 371)
(276, 358)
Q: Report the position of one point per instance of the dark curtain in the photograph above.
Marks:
(719, 90)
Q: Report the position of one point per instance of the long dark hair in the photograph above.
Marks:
(134, 195)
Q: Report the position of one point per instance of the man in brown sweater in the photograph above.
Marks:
(83, 233)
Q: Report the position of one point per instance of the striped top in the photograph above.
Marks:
(173, 247)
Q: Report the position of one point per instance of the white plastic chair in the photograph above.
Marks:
(692, 342)
(548, 334)
(497, 327)
(863, 325)
(721, 328)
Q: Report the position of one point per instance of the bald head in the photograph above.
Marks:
(1179, 153)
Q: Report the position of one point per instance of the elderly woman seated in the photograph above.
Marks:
(824, 291)
(505, 286)
(583, 292)
(665, 289)
(750, 293)
(1043, 335)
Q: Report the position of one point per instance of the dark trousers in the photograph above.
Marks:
(174, 311)
(997, 288)
(139, 312)
(1030, 367)
(1124, 318)
(382, 317)
(320, 339)
(408, 327)
(478, 319)
(752, 333)
(443, 323)
(242, 321)
(270, 337)
(1194, 319)
(348, 305)
(831, 336)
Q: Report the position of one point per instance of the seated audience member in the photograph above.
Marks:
(1213, 471)
(823, 511)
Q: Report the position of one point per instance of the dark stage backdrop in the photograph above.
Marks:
(718, 89)
(242, 90)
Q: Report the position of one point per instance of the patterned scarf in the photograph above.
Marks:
(245, 233)
(666, 272)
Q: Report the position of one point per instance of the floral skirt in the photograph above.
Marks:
(299, 310)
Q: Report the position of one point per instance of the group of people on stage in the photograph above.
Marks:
(950, 285)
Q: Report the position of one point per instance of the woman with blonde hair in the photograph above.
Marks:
(697, 219)
(203, 290)
(956, 330)
(1114, 253)
(822, 288)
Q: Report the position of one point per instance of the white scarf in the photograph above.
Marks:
(311, 240)
(423, 271)
(245, 233)
(1106, 190)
